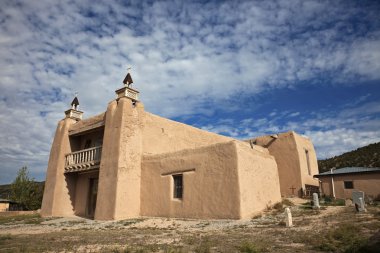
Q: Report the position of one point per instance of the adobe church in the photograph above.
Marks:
(127, 163)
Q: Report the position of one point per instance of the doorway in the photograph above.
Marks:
(92, 195)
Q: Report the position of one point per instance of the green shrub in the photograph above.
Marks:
(250, 247)
(25, 191)
(287, 202)
(278, 206)
(247, 247)
(333, 202)
(340, 202)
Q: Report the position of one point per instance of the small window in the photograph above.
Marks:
(308, 161)
(348, 185)
(178, 186)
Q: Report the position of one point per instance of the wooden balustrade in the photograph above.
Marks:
(83, 156)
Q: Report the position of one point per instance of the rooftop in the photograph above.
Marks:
(6, 201)
(348, 170)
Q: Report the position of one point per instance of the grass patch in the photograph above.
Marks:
(204, 246)
(328, 201)
(248, 247)
(278, 206)
(344, 238)
(4, 239)
(343, 231)
(305, 211)
(257, 216)
(23, 219)
(287, 202)
(130, 221)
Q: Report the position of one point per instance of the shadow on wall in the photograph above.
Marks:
(71, 180)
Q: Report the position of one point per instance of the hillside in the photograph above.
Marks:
(368, 156)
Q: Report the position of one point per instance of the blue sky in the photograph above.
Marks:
(238, 68)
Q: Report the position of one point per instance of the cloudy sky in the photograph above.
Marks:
(238, 68)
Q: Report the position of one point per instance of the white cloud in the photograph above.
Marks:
(335, 142)
(181, 53)
(332, 133)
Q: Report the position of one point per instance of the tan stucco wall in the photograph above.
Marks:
(326, 186)
(289, 152)
(303, 144)
(120, 167)
(82, 190)
(284, 149)
(57, 200)
(258, 180)
(369, 183)
(162, 135)
(4, 207)
(210, 191)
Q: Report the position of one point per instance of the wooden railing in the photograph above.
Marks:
(90, 155)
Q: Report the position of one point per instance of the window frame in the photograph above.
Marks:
(308, 161)
(351, 182)
(177, 186)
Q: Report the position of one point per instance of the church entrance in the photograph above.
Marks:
(92, 195)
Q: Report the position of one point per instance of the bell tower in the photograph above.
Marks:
(120, 167)
(127, 90)
(73, 113)
(57, 200)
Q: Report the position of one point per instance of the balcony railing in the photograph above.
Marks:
(85, 159)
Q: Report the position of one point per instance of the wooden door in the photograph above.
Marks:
(92, 195)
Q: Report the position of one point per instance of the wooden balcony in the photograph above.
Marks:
(83, 160)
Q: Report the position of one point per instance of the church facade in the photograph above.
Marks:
(127, 163)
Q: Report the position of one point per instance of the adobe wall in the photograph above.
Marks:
(120, 167)
(57, 200)
(162, 135)
(326, 186)
(210, 181)
(369, 183)
(258, 180)
(289, 151)
(303, 144)
(4, 207)
(285, 151)
(82, 190)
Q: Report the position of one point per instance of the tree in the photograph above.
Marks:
(25, 191)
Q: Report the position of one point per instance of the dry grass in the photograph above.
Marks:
(21, 219)
(336, 229)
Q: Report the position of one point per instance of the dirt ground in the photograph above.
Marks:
(330, 229)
